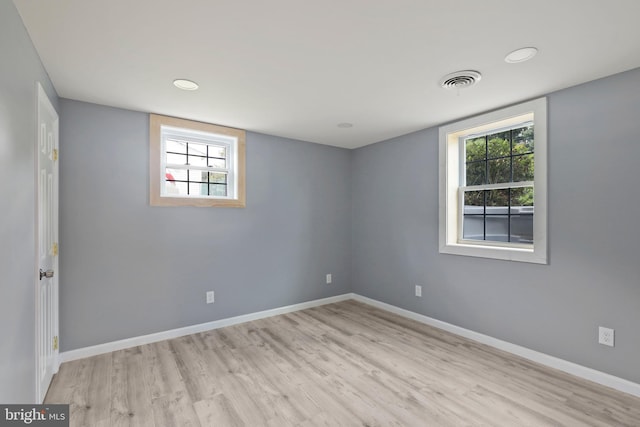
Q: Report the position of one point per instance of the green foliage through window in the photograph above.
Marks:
(502, 157)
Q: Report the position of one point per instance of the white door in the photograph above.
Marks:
(47, 246)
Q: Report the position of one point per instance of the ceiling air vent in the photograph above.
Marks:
(460, 79)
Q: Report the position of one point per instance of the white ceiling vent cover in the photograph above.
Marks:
(460, 79)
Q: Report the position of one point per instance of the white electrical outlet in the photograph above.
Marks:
(606, 336)
(418, 290)
(210, 297)
(329, 278)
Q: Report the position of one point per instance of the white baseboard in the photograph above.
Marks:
(599, 377)
(95, 350)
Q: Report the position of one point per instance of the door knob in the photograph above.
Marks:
(48, 274)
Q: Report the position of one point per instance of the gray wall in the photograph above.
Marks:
(128, 269)
(594, 275)
(20, 68)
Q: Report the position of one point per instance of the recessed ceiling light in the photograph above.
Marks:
(345, 125)
(185, 84)
(521, 55)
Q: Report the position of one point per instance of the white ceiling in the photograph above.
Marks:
(297, 68)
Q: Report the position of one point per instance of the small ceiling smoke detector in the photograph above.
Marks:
(460, 79)
(185, 84)
(345, 125)
(521, 55)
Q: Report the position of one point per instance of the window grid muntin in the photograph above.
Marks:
(485, 214)
(208, 182)
(206, 155)
(486, 187)
(208, 140)
(488, 158)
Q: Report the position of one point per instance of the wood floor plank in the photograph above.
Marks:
(161, 374)
(175, 409)
(90, 401)
(130, 393)
(218, 410)
(342, 364)
(193, 368)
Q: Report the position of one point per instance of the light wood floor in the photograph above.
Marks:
(343, 364)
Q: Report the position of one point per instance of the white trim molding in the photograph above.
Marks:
(580, 371)
(95, 350)
(452, 186)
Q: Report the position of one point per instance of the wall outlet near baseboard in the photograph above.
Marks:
(329, 278)
(606, 336)
(418, 290)
(210, 297)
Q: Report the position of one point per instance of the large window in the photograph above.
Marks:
(497, 192)
(196, 164)
(493, 185)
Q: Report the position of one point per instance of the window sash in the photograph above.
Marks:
(495, 243)
(462, 169)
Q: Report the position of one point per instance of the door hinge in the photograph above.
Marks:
(55, 154)
(55, 343)
(54, 249)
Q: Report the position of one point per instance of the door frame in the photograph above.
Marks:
(43, 102)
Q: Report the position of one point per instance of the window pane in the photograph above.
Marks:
(218, 178)
(197, 149)
(523, 168)
(522, 215)
(522, 197)
(176, 188)
(176, 146)
(521, 229)
(175, 174)
(175, 159)
(475, 149)
(499, 171)
(498, 145)
(197, 161)
(198, 176)
(218, 190)
(497, 228)
(498, 200)
(473, 227)
(473, 198)
(217, 151)
(217, 163)
(523, 140)
(476, 172)
(497, 220)
(197, 189)
(473, 220)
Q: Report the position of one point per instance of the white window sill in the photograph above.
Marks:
(494, 252)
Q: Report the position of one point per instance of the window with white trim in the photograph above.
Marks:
(493, 184)
(196, 164)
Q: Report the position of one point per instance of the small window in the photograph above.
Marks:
(493, 185)
(196, 164)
